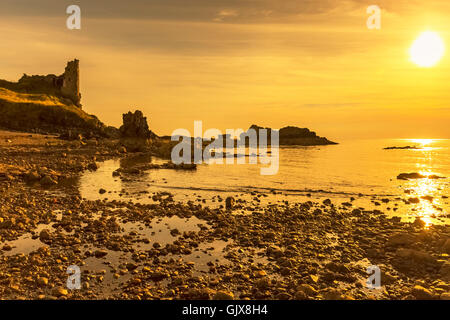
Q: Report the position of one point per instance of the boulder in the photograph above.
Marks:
(445, 271)
(32, 176)
(446, 246)
(45, 235)
(399, 239)
(307, 289)
(410, 260)
(135, 126)
(229, 203)
(59, 292)
(223, 295)
(407, 176)
(421, 293)
(100, 253)
(48, 181)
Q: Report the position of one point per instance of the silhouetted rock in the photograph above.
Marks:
(135, 134)
(407, 176)
(415, 175)
(403, 148)
(295, 136)
(135, 126)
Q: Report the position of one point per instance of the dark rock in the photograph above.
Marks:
(407, 176)
(100, 253)
(48, 181)
(229, 203)
(421, 293)
(135, 126)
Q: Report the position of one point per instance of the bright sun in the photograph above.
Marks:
(427, 49)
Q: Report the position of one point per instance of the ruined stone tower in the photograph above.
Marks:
(71, 82)
(66, 86)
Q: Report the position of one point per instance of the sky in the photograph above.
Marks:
(234, 63)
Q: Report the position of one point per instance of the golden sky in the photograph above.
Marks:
(309, 63)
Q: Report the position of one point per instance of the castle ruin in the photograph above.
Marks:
(71, 82)
(66, 86)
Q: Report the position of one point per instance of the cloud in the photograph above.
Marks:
(224, 14)
(233, 11)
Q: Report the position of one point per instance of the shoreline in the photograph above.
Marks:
(296, 250)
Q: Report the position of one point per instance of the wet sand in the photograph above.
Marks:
(162, 247)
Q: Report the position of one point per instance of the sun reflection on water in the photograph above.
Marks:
(426, 190)
(423, 142)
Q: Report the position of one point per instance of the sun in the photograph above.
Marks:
(427, 50)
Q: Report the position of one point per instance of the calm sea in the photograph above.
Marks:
(359, 169)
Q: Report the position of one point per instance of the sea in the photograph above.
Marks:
(360, 172)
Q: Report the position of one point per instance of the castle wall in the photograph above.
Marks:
(66, 85)
(71, 82)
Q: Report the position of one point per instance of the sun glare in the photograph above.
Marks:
(423, 142)
(427, 50)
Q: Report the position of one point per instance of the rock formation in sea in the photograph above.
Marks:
(134, 133)
(295, 136)
(287, 136)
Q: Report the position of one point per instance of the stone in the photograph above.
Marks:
(415, 256)
(32, 176)
(100, 253)
(229, 203)
(445, 271)
(307, 289)
(414, 200)
(407, 176)
(418, 222)
(48, 181)
(158, 276)
(92, 166)
(300, 295)
(42, 281)
(400, 239)
(223, 295)
(332, 294)
(421, 293)
(446, 246)
(59, 292)
(44, 235)
(131, 266)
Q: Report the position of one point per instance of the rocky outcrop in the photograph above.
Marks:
(42, 113)
(415, 175)
(49, 104)
(65, 86)
(135, 134)
(403, 148)
(135, 126)
(296, 136)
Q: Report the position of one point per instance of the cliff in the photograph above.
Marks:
(65, 86)
(50, 104)
(45, 113)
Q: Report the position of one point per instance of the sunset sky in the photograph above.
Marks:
(233, 63)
